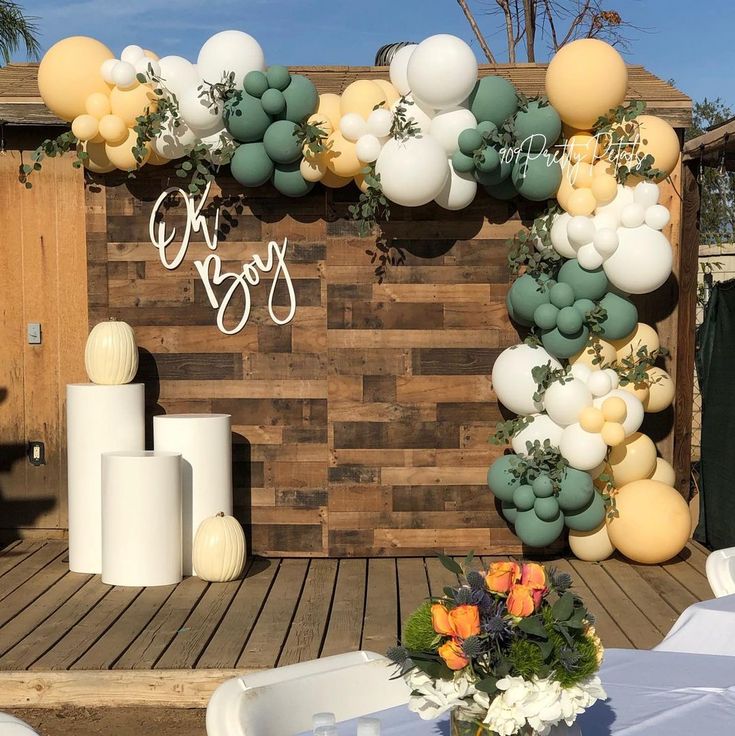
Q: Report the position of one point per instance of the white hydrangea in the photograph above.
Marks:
(431, 697)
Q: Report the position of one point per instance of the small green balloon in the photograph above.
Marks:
(561, 295)
(536, 532)
(287, 179)
(256, 83)
(523, 498)
(589, 518)
(547, 509)
(509, 511)
(537, 127)
(281, 142)
(621, 319)
(569, 321)
(575, 490)
(545, 316)
(501, 174)
(542, 486)
(586, 284)
(273, 101)
(301, 97)
(489, 160)
(536, 176)
(504, 191)
(564, 346)
(500, 480)
(486, 126)
(493, 99)
(469, 141)
(527, 294)
(251, 166)
(278, 77)
(462, 163)
(245, 118)
(584, 306)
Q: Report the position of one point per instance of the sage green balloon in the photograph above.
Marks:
(536, 176)
(536, 532)
(561, 295)
(245, 118)
(500, 480)
(547, 509)
(586, 284)
(569, 321)
(509, 511)
(493, 99)
(489, 160)
(499, 175)
(584, 306)
(504, 191)
(537, 127)
(622, 316)
(512, 312)
(486, 126)
(278, 76)
(545, 316)
(576, 490)
(273, 101)
(524, 497)
(564, 346)
(589, 518)
(256, 83)
(527, 294)
(287, 179)
(281, 142)
(542, 486)
(251, 166)
(462, 163)
(301, 97)
(469, 141)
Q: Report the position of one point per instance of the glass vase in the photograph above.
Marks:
(471, 728)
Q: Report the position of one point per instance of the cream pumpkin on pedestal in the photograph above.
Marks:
(111, 355)
(218, 553)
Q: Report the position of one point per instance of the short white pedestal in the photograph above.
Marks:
(141, 518)
(205, 443)
(98, 419)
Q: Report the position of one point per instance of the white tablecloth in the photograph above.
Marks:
(649, 694)
(704, 628)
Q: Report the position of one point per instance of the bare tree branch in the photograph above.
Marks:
(473, 24)
(508, 14)
(529, 14)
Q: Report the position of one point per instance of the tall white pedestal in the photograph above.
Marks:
(205, 443)
(141, 518)
(98, 419)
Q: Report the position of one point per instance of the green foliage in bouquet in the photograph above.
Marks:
(418, 631)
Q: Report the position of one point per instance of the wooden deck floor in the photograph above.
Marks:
(283, 611)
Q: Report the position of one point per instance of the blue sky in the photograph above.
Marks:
(695, 49)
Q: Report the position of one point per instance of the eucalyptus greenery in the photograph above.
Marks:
(51, 148)
(372, 206)
(541, 458)
(523, 253)
(544, 375)
(505, 431)
(211, 94)
(594, 320)
(633, 368)
(311, 136)
(402, 128)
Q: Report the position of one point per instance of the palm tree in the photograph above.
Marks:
(16, 30)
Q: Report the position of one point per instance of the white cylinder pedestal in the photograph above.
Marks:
(205, 444)
(98, 419)
(141, 518)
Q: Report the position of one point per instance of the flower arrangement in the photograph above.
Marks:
(510, 650)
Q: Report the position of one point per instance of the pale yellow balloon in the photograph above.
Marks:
(612, 434)
(614, 409)
(581, 146)
(361, 97)
(591, 419)
(591, 546)
(585, 80)
(659, 139)
(98, 105)
(582, 174)
(643, 335)
(390, 93)
(70, 72)
(156, 159)
(313, 168)
(329, 109)
(96, 161)
(122, 155)
(633, 459)
(604, 166)
(564, 192)
(664, 472)
(587, 355)
(128, 104)
(151, 54)
(333, 181)
(113, 129)
(321, 121)
(652, 524)
(639, 390)
(85, 127)
(604, 187)
(342, 157)
(581, 202)
(661, 390)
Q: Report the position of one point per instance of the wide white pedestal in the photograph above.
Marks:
(141, 518)
(205, 443)
(98, 419)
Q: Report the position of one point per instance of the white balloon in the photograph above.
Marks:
(123, 75)
(581, 371)
(564, 400)
(559, 237)
(379, 122)
(399, 68)
(148, 66)
(220, 147)
(642, 262)
(178, 74)
(614, 209)
(582, 450)
(634, 419)
(580, 231)
(614, 377)
(352, 126)
(632, 215)
(589, 257)
(646, 193)
(412, 172)
(442, 71)
(657, 216)
(541, 428)
(106, 69)
(458, 192)
(229, 51)
(599, 383)
(512, 380)
(368, 148)
(448, 124)
(605, 241)
(174, 141)
(415, 112)
(132, 53)
(606, 221)
(197, 113)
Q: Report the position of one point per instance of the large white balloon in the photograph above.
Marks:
(642, 261)
(448, 124)
(458, 191)
(399, 68)
(229, 51)
(442, 71)
(178, 74)
(202, 118)
(541, 428)
(174, 141)
(615, 208)
(634, 417)
(559, 237)
(564, 400)
(412, 172)
(582, 450)
(512, 379)
(416, 113)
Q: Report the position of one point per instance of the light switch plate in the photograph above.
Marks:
(34, 333)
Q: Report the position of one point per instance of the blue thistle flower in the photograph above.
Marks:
(473, 646)
(476, 580)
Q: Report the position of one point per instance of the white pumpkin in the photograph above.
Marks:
(111, 355)
(218, 554)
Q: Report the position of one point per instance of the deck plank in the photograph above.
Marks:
(688, 576)
(413, 586)
(439, 577)
(15, 553)
(697, 556)
(224, 648)
(673, 592)
(380, 628)
(308, 627)
(266, 640)
(30, 566)
(344, 629)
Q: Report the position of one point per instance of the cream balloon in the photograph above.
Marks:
(368, 148)
(642, 261)
(132, 53)
(542, 428)
(122, 155)
(229, 52)
(448, 124)
(123, 75)
(379, 122)
(178, 74)
(646, 193)
(642, 336)
(560, 238)
(201, 117)
(582, 450)
(85, 127)
(458, 192)
(661, 390)
(399, 68)
(313, 168)
(634, 459)
(614, 209)
(664, 472)
(593, 546)
(353, 126)
(564, 400)
(588, 356)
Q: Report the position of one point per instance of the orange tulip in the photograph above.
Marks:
(501, 576)
(521, 601)
(460, 622)
(453, 656)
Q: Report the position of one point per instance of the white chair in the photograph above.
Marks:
(282, 701)
(720, 569)
(12, 726)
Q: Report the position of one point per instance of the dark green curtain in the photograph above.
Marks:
(716, 373)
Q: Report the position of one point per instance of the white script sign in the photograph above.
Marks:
(172, 253)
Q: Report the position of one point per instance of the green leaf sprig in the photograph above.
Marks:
(51, 148)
